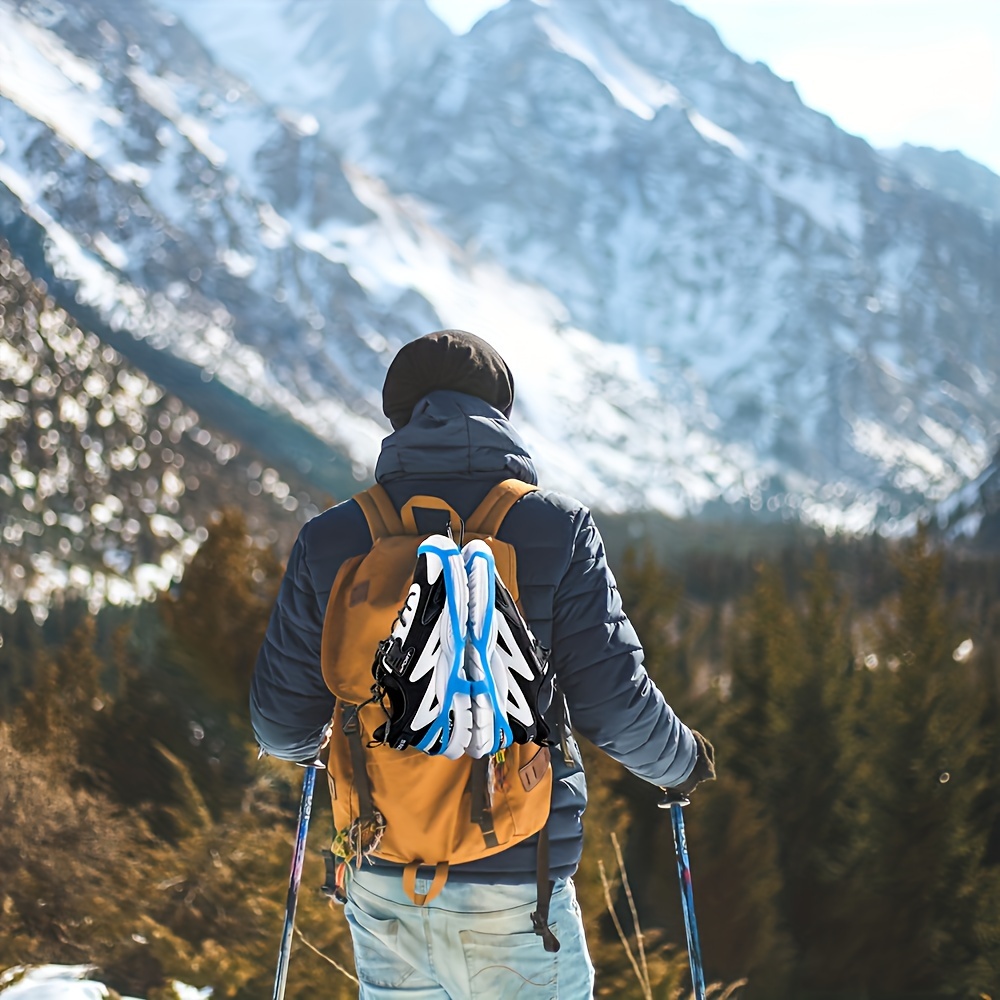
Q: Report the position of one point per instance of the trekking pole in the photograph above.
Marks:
(675, 802)
(298, 856)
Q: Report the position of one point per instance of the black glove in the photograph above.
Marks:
(704, 767)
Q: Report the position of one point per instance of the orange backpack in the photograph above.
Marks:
(405, 806)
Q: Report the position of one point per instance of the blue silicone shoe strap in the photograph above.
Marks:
(456, 684)
(502, 734)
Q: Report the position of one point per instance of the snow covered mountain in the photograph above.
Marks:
(951, 174)
(973, 512)
(840, 320)
(333, 61)
(108, 484)
(709, 294)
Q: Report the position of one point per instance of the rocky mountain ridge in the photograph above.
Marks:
(710, 295)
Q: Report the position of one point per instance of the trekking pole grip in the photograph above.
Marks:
(672, 798)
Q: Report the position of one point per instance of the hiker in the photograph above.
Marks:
(527, 625)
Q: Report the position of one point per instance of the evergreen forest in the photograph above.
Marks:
(850, 849)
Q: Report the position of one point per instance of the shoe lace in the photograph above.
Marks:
(407, 609)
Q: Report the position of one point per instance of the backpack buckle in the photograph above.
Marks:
(333, 886)
(350, 722)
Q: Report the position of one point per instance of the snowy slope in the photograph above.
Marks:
(710, 295)
(171, 204)
(837, 317)
(108, 484)
(381, 263)
(973, 512)
(69, 982)
(331, 61)
(951, 174)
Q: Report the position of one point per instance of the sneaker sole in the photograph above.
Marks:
(449, 734)
(513, 659)
(490, 729)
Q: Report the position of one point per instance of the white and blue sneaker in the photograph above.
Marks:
(490, 730)
(524, 666)
(421, 667)
(511, 684)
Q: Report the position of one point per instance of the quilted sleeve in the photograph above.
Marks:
(290, 704)
(598, 662)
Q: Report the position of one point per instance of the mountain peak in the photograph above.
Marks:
(710, 294)
(333, 60)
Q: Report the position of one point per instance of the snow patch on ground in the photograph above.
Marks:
(69, 982)
(715, 133)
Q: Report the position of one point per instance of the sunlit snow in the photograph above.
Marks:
(630, 85)
(40, 75)
(641, 412)
(70, 982)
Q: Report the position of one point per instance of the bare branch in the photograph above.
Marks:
(326, 958)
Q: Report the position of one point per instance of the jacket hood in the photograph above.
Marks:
(453, 434)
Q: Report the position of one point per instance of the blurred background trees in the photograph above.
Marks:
(851, 847)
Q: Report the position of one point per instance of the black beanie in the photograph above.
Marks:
(448, 359)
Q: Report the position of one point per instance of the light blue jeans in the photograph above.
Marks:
(469, 942)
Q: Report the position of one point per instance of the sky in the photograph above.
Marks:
(920, 71)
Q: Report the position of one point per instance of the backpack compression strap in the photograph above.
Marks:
(379, 513)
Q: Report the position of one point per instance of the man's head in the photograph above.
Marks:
(448, 359)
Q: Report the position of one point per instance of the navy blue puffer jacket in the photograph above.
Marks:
(458, 447)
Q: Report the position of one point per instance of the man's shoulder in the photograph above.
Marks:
(546, 517)
(332, 537)
(335, 518)
(555, 506)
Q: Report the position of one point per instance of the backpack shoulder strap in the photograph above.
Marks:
(489, 515)
(379, 513)
(383, 519)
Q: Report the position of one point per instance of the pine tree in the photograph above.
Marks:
(66, 690)
(785, 733)
(813, 787)
(734, 847)
(737, 885)
(204, 905)
(933, 913)
(220, 613)
(764, 655)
